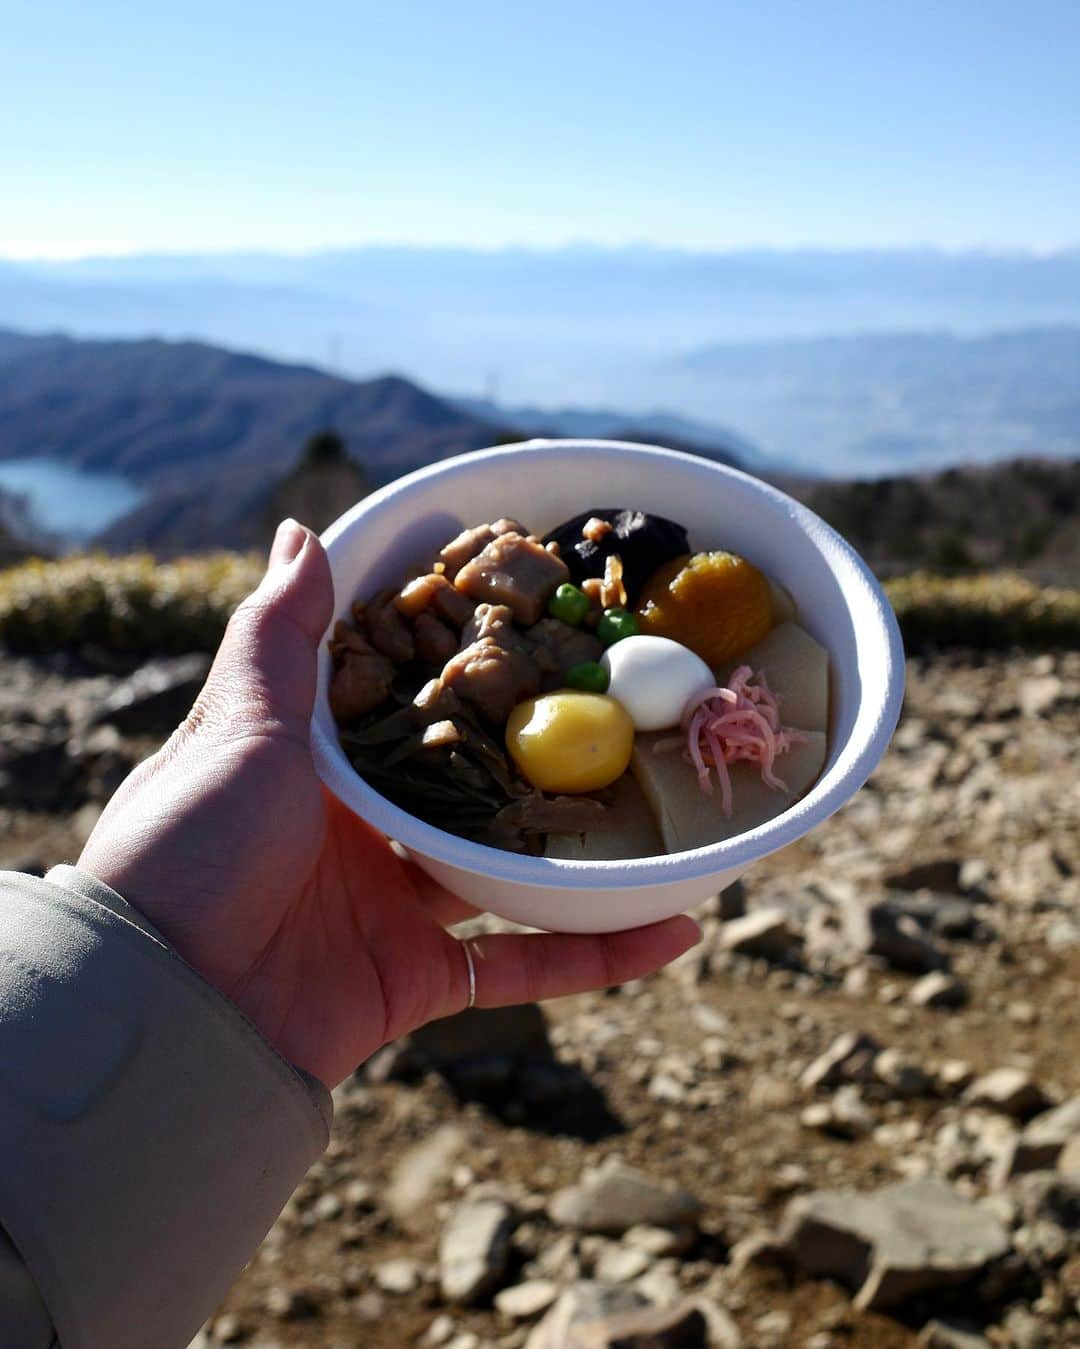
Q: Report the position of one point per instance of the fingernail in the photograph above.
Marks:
(288, 540)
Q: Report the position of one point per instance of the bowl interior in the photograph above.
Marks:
(544, 482)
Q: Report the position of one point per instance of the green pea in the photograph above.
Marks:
(616, 624)
(570, 604)
(589, 676)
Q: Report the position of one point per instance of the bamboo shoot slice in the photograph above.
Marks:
(690, 818)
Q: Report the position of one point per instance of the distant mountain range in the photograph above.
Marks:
(209, 434)
(909, 378)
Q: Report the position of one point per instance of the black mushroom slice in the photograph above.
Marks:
(643, 542)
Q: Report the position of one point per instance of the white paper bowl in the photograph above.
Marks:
(543, 482)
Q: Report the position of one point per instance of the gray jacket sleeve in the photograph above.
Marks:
(149, 1135)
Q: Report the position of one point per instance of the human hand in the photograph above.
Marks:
(299, 912)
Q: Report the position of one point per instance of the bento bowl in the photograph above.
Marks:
(543, 482)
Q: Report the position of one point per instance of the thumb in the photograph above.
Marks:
(263, 676)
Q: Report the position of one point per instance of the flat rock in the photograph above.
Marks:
(882, 928)
(1010, 1090)
(895, 1243)
(938, 989)
(941, 874)
(680, 1327)
(584, 1302)
(474, 1249)
(765, 933)
(615, 1197)
(156, 698)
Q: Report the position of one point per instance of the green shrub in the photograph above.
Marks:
(134, 604)
(992, 609)
(130, 604)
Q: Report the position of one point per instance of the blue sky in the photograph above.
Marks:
(691, 122)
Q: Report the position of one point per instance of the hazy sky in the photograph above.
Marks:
(690, 122)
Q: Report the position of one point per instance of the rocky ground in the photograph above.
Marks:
(851, 1117)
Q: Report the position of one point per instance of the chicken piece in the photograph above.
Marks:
(494, 621)
(435, 642)
(472, 541)
(452, 606)
(386, 629)
(515, 571)
(434, 592)
(556, 646)
(464, 548)
(504, 525)
(361, 678)
(493, 678)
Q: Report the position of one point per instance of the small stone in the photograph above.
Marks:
(523, 1301)
(615, 1197)
(327, 1207)
(1038, 695)
(290, 1304)
(1069, 1160)
(229, 1329)
(621, 1264)
(900, 1074)
(370, 1306)
(398, 1276)
(731, 902)
(954, 1075)
(419, 1174)
(440, 1330)
(1040, 1144)
(774, 1327)
(764, 933)
(666, 1088)
(359, 1196)
(1010, 1090)
(850, 1112)
(938, 989)
(155, 698)
(660, 1241)
(474, 1249)
(883, 928)
(850, 1058)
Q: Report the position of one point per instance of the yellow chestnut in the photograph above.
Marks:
(570, 741)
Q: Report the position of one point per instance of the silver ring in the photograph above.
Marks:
(472, 975)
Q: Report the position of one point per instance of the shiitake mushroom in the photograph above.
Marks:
(643, 542)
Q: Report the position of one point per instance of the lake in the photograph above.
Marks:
(66, 501)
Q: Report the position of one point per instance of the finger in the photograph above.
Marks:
(265, 669)
(443, 905)
(512, 968)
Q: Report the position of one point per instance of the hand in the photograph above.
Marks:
(294, 908)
